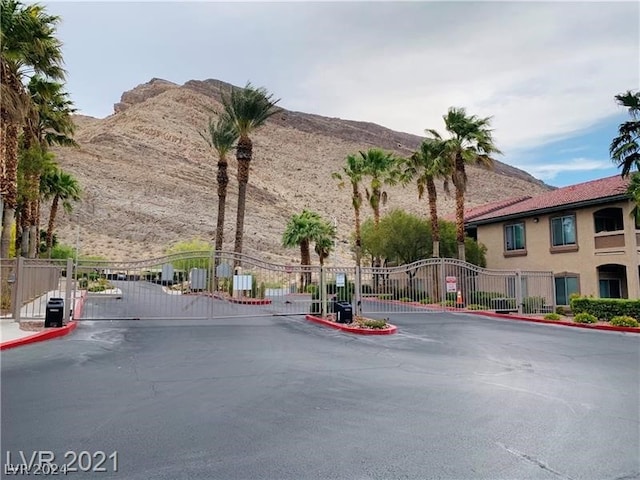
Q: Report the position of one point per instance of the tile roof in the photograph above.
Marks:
(474, 212)
(574, 194)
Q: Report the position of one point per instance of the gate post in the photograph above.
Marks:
(323, 293)
(17, 288)
(358, 290)
(519, 291)
(68, 298)
(443, 285)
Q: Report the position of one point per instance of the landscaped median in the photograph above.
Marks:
(356, 327)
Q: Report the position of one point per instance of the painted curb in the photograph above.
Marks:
(242, 301)
(357, 330)
(610, 328)
(79, 305)
(40, 336)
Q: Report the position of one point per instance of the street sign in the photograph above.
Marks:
(340, 280)
(452, 285)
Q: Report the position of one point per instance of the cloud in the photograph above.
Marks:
(550, 171)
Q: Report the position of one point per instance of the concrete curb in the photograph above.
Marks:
(79, 305)
(357, 330)
(40, 336)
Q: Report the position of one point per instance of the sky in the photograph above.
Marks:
(546, 72)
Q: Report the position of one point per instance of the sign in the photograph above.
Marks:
(223, 270)
(288, 269)
(452, 285)
(340, 280)
(242, 282)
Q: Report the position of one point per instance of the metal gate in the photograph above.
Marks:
(194, 285)
(438, 284)
(201, 285)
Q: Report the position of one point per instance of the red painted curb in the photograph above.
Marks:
(40, 336)
(250, 301)
(360, 331)
(611, 328)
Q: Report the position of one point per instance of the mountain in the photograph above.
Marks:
(149, 178)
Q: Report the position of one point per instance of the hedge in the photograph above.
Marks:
(606, 308)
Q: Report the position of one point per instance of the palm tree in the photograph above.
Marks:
(633, 190)
(48, 123)
(27, 46)
(625, 148)
(221, 136)
(429, 163)
(470, 143)
(353, 172)
(379, 165)
(247, 109)
(60, 186)
(301, 230)
(325, 242)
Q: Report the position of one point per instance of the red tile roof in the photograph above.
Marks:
(593, 190)
(474, 212)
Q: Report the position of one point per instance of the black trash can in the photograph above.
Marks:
(55, 313)
(344, 312)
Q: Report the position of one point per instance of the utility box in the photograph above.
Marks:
(54, 313)
(344, 312)
(198, 279)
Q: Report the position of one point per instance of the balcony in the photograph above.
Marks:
(610, 240)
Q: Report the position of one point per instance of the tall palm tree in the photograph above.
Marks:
(27, 46)
(625, 148)
(353, 172)
(633, 190)
(248, 109)
(470, 143)
(221, 136)
(48, 123)
(301, 230)
(60, 186)
(379, 166)
(429, 163)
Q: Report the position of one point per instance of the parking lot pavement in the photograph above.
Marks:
(450, 396)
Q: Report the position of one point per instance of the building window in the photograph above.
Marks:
(563, 230)
(608, 220)
(565, 286)
(514, 237)
(610, 288)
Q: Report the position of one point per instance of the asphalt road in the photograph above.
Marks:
(450, 397)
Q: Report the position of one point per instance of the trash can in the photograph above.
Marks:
(54, 313)
(344, 312)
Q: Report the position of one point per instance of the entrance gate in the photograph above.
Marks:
(203, 285)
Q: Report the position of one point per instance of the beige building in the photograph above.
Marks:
(584, 233)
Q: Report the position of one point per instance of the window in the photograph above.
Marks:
(514, 237)
(565, 286)
(608, 220)
(610, 288)
(563, 230)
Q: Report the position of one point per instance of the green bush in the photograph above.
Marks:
(261, 290)
(475, 306)
(532, 304)
(406, 299)
(606, 308)
(563, 311)
(448, 303)
(83, 283)
(385, 296)
(585, 318)
(367, 322)
(97, 288)
(483, 298)
(311, 288)
(427, 301)
(624, 321)
(552, 316)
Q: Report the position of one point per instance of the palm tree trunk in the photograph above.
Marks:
(10, 187)
(52, 220)
(223, 182)
(243, 155)
(34, 220)
(23, 220)
(433, 213)
(460, 181)
(305, 260)
(358, 237)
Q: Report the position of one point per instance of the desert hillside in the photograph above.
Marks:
(149, 178)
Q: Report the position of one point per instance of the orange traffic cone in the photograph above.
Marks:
(459, 301)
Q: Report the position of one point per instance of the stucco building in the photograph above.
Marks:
(584, 233)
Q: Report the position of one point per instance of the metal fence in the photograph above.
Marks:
(207, 285)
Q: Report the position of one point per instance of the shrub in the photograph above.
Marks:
(552, 316)
(624, 321)
(563, 311)
(585, 317)
(311, 288)
(83, 283)
(532, 304)
(385, 296)
(448, 303)
(475, 306)
(261, 290)
(406, 299)
(606, 308)
(483, 298)
(97, 288)
(427, 301)
(368, 322)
